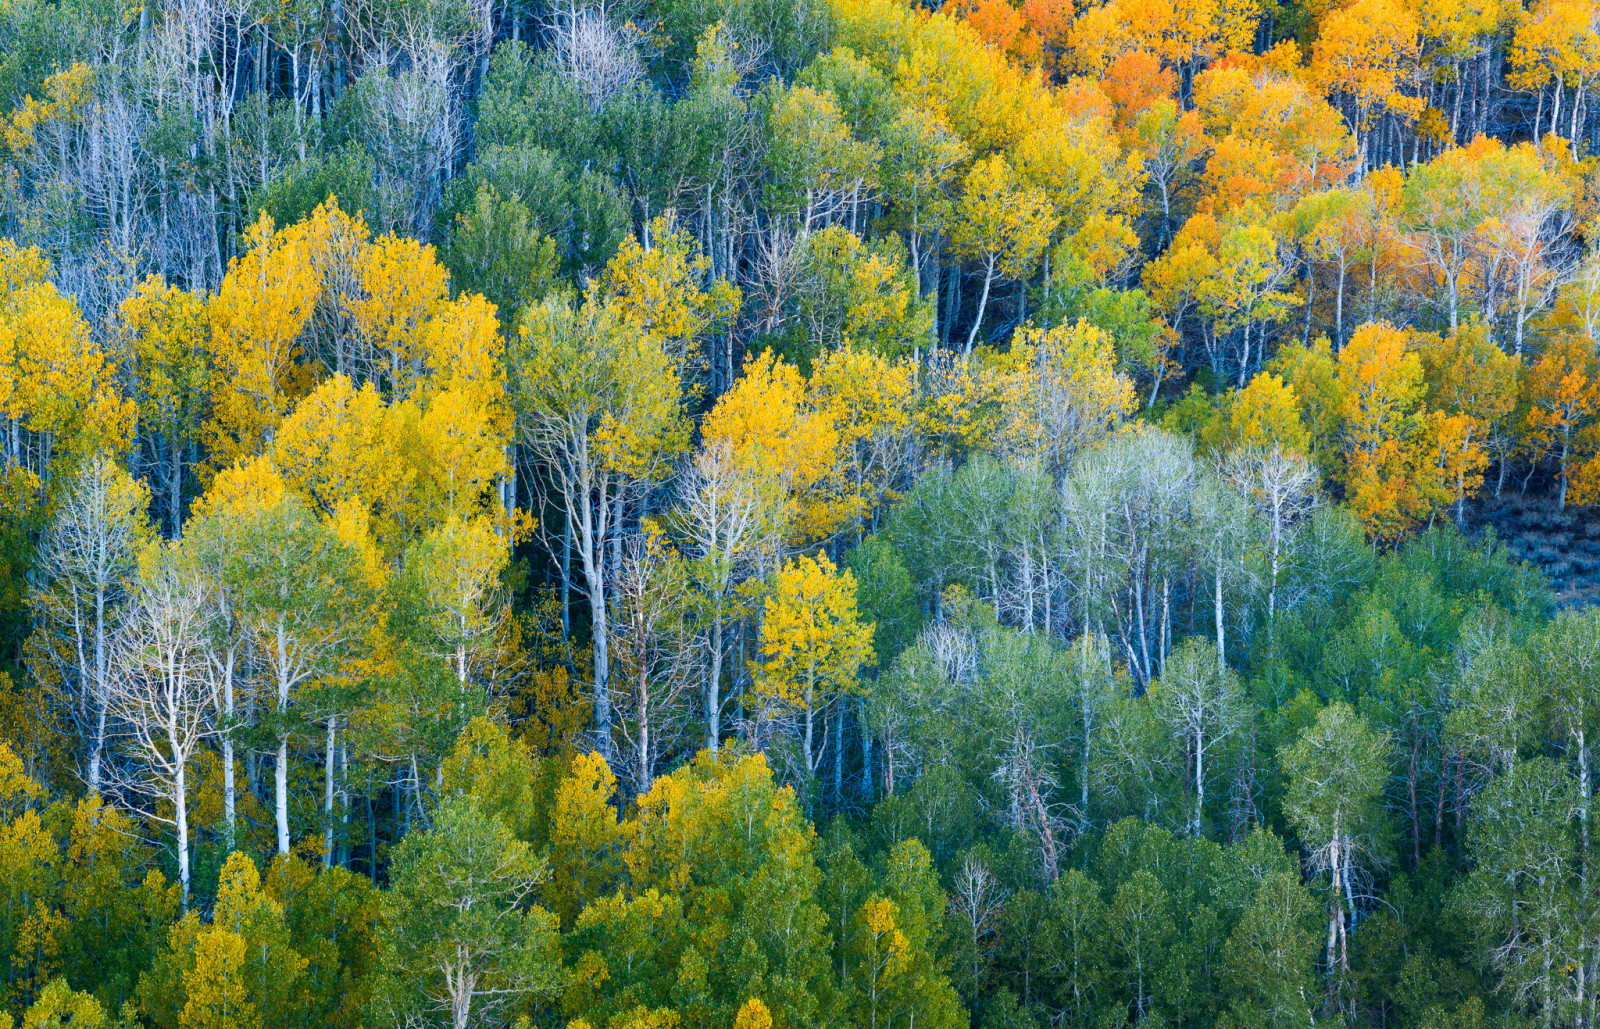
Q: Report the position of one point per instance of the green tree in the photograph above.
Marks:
(495, 249)
(1271, 956)
(1336, 774)
(460, 936)
(301, 598)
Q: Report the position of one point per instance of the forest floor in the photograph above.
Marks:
(1565, 544)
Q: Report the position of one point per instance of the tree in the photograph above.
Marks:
(160, 692)
(456, 569)
(59, 1005)
(257, 318)
(1337, 772)
(657, 649)
(920, 158)
(1065, 398)
(1142, 929)
(495, 249)
(787, 444)
(300, 602)
(1282, 485)
(1271, 954)
(237, 970)
(1202, 704)
(1566, 660)
(812, 645)
(1522, 895)
(598, 407)
(723, 516)
(459, 935)
(1243, 291)
(86, 563)
(660, 288)
(1225, 538)
(1003, 223)
(167, 328)
(1390, 478)
(1563, 392)
(1471, 378)
(1364, 53)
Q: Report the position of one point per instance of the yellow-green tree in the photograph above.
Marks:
(167, 329)
(598, 405)
(1003, 223)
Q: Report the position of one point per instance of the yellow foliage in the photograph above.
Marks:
(1002, 219)
(1264, 413)
(871, 402)
(56, 381)
(257, 318)
(60, 1005)
(813, 643)
(250, 485)
(402, 284)
(463, 351)
(657, 287)
(69, 92)
(753, 1015)
(585, 837)
(776, 432)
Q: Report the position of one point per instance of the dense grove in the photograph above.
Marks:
(780, 513)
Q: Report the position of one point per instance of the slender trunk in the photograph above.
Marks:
(327, 792)
(175, 490)
(1583, 801)
(180, 799)
(280, 776)
(866, 749)
(838, 755)
(1222, 642)
(983, 301)
(714, 688)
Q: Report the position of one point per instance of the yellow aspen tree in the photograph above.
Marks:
(870, 400)
(599, 406)
(401, 286)
(340, 444)
(1468, 375)
(585, 838)
(753, 1015)
(1365, 53)
(60, 1005)
(813, 644)
(661, 287)
(775, 431)
(1392, 478)
(260, 311)
(63, 387)
(1555, 43)
(1003, 223)
(461, 451)
(1066, 395)
(166, 328)
(1265, 414)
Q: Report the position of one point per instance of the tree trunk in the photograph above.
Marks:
(327, 792)
(714, 688)
(280, 776)
(983, 301)
(180, 803)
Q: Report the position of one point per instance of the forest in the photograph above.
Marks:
(762, 514)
